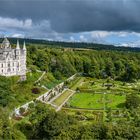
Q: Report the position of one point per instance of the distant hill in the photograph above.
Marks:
(73, 44)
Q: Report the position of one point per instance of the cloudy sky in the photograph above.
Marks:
(102, 21)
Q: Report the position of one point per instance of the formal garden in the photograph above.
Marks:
(94, 99)
(100, 94)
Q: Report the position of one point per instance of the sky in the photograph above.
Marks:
(100, 21)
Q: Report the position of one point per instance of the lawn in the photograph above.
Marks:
(115, 101)
(96, 101)
(62, 97)
(86, 100)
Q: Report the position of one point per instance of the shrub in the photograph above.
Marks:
(132, 101)
(79, 113)
(31, 105)
(21, 110)
(36, 90)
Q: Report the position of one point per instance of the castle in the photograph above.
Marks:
(12, 60)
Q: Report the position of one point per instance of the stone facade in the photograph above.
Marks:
(12, 60)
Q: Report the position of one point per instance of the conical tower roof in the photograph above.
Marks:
(17, 47)
(5, 44)
(24, 46)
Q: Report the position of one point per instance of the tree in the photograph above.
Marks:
(36, 90)
(132, 101)
(8, 131)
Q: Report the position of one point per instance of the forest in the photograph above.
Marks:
(62, 60)
(100, 64)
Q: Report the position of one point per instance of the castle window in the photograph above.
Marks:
(2, 65)
(8, 70)
(17, 64)
(8, 64)
(2, 70)
(13, 64)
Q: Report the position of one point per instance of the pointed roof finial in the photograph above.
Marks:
(17, 47)
(24, 46)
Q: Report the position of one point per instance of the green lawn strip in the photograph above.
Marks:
(77, 83)
(62, 97)
(73, 82)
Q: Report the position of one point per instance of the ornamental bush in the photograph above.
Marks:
(36, 90)
(132, 101)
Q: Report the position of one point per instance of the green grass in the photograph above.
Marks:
(86, 100)
(33, 76)
(22, 91)
(97, 101)
(49, 81)
(115, 101)
(74, 84)
(62, 97)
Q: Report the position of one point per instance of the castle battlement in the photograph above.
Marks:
(12, 60)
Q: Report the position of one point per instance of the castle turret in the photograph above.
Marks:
(24, 51)
(23, 62)
(24, 46)
(17, 49)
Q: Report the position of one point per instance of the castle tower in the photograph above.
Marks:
(23, 61)
(24, 49)
(17, 50)
(24, 46)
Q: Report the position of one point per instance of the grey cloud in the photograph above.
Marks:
(77, 15)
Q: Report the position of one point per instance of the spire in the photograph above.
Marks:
(24, 46)
(17, 47)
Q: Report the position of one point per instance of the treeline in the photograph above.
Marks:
(100, 64)
(54, 44)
